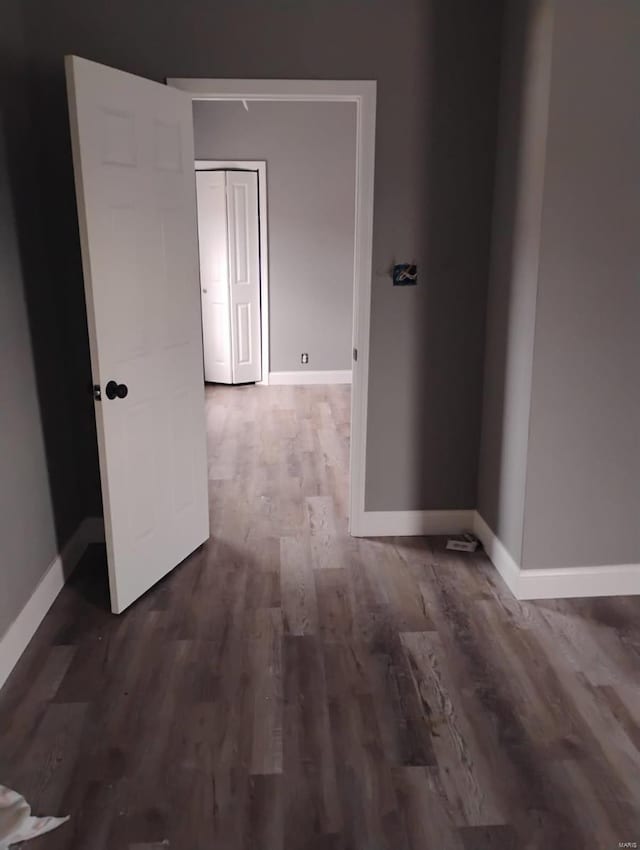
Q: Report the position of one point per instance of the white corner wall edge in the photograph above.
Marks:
(339, 376)
(411, 523)
(15, 640)
(557, 582)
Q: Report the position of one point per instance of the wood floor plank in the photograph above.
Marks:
(264, 822)
(49, 762)
(405, 730)
(619, 702)
(365, 784)
(266, 673)
(488, 837)
(463, 771)
(425, 809)
(335, 617)
(312, 808)
(323, 538)
(298, 589)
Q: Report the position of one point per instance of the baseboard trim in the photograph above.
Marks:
(498, 554)
(557, 582)
(340, 376)
(412, 523)
(15, 640)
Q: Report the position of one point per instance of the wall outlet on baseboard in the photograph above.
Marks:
(304, 358)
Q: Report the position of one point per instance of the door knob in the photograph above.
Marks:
(116, 390)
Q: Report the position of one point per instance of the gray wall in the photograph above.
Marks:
(583, 481)
(560, 457)
(38, 504)
(434, 182)
(511, 308)
(310, 153)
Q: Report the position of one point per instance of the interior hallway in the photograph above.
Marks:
(291, 687)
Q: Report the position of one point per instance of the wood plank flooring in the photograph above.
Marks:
(289, 687)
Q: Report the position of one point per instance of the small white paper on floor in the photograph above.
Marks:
(16, 821)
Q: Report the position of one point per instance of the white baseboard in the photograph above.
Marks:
(411, 523)
(498, 554)
(14, 642)
(573, 582)
(557, 582)
(340, 376)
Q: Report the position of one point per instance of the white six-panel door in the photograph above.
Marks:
(133, 161)
(244, 275)
(211, 191)
(228, 230)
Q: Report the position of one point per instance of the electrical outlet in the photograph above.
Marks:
(304, 358)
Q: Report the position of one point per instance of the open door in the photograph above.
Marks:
(133, 160)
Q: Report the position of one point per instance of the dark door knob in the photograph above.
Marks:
(116, 390)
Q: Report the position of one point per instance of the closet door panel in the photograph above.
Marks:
(244, 275)
(214, 275)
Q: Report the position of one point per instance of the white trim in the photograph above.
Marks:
(14, 642)
(413, 523)
(557, 582)
(574, 582)
(338, 376)
(363, 94)
(273, 90)
(498, 554)
(261, 167)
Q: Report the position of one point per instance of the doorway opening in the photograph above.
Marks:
(305, 181)
(363, 95)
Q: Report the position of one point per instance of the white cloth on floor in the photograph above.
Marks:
(16, 822)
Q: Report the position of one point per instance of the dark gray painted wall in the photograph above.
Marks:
(583, 481)
(38, 497)
(310, 153)
(511, 309)
(560, 456)
(434, 181)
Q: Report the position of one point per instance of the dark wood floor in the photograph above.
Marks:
(289, 687)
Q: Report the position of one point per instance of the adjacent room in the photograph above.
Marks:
(275, 187)
(320, 426)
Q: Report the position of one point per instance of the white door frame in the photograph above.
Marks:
(261, 167)
(363, 94)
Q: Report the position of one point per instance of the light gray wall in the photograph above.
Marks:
(583, 481)
(310, 153)
(511, 308)
(435, 145)
(37, 506)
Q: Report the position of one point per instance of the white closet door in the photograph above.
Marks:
(133, 161)
(244, 275)
(214, 275)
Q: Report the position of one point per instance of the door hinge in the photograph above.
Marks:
(355, 354)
